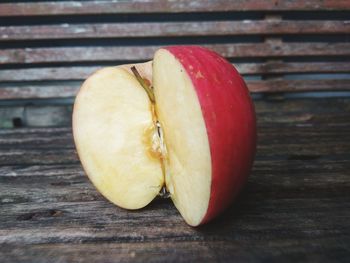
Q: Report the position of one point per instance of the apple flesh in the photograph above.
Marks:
(196, 138)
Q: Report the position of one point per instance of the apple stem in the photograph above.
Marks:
(146, 87)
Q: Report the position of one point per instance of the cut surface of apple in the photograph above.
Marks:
(180, 114)
(196, 140)
(114, 132)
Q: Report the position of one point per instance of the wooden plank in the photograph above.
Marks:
(82, 72)
(308, 121)
(153, 252)
(306, 129)
(304, 112)
(279, 67)
(320, 131)
(184, 251)
(51, 73)
(20, 219)
(160, 6)
(290, 142)
(298, 85)
(59, 90)
(67, 183)
(10, 115)
(172, 29)
(296, 201)
(98, 222)
(38, 156)
(299, 183)
(329, 144)
(291, 112)
(38, 138)
(35, 116)
(64, 90)
(308, 113)
(82, 54)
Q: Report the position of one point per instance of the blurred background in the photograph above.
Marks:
(284, 49)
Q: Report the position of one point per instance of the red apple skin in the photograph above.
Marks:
(229, 117)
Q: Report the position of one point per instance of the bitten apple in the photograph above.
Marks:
(183, 123)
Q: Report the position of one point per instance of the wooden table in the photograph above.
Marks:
(295, 206)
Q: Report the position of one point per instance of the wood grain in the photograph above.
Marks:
(288, 112)
(82, 72)
(298, 85)
(279, 67)
(84, 54)
(160, 6)
(288, 144)
(172, 29)
(295, 206)
(69, 90)
(184, 251)
(56, 90)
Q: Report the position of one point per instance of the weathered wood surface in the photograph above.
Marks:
(295, 206)
(57, 90)
(44, 58)
(29, 115)
(299, 85)
(161, 6)
(70, 89)
(125, 53)
(82, 72)
(60, 115)
(173, 29)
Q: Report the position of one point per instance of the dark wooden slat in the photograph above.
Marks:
(307, 118)
(35, 116)
(174, 29)
(8, 115)
(276, 49)
(61, 90)
(51, 73)
(290, 112)
(184, 251)
(36, 131)
(304, 112)
(159, 6)
(64, 90)
(33, 156)
(155, 252)
(299, 85)
(82, 72)
(43, 138)
(272, 67)
(80, 54)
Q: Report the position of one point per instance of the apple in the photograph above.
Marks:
(182, 125)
